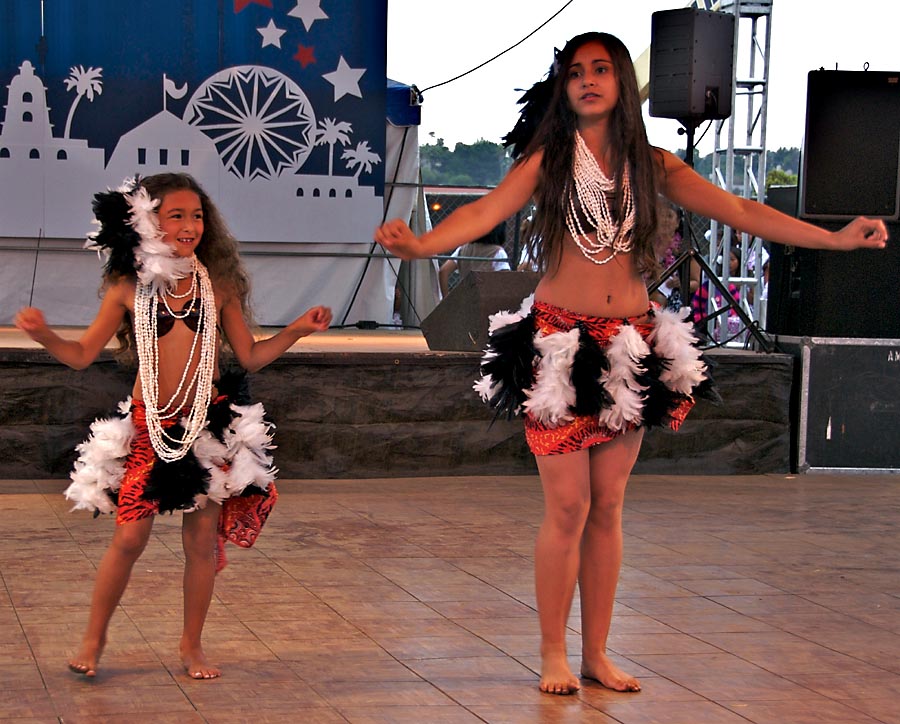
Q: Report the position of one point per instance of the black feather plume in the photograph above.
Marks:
(512, 370)
(176, 484)
(659, 400)
(116, 235)
(589, 363)
(534, 104)
(707, 389)
(234, 387)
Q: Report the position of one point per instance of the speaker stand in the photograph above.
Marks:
(682, 265)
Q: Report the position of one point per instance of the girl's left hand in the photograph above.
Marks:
(862, 233)
(396, 236)
(315, 319)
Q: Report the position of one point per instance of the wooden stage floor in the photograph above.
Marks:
(769, 599)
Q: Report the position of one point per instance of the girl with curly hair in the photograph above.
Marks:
(188, 438)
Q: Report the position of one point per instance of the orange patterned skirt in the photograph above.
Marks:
(119, 472)
(593, 378)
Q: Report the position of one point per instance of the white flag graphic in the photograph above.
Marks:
(171, 90)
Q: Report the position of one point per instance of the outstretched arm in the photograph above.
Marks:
(79, 353)
(685, 187)
(468, 222)
(253, 355)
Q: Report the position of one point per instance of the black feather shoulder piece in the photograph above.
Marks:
(115, 237)
(534, 104)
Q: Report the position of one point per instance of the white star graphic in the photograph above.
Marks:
(271, 34)
(345, 79)
(308, 11)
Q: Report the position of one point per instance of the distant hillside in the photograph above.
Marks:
(484, 163)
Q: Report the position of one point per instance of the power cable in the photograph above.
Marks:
(503, 52)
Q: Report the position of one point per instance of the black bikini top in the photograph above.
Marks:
(165, 321)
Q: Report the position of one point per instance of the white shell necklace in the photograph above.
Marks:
(146, 304)
(593, 189)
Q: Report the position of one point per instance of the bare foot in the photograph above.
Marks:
(608, 674)
(85, 661)
(556, 676)
(196, 665)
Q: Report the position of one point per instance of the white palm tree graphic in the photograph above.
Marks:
(331, 131)
(86, 83)
(362, 157)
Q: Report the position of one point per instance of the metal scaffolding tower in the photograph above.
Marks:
(739, 165)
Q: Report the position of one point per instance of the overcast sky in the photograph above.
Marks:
(430, 42)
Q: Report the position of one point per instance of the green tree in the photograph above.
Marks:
(786, 159)
(778, 177)
(434, 160)
(482, 163)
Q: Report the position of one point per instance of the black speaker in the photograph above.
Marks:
(460, 321)
(816, 293)
(784, 279)
(691, 64)
(851, 149)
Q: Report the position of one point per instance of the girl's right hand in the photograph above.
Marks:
(31, 321)
(396, 236)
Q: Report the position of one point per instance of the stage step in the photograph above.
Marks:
(383, 414)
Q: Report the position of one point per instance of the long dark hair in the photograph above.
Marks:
(549, 125)
(218, 250)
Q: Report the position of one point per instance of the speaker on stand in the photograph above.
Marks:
(691, 64)
(691, 80)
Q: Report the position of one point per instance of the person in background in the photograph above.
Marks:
(489, 247)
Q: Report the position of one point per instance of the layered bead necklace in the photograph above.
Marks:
(146, 305)
(593, 189)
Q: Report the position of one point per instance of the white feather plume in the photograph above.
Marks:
(218, 484)
(156, 263)
(485, 387)
(504, 317)
(527, 304)
(100, 466)
(625, 351)
(553, 394)
(673, 338)
(247, 439)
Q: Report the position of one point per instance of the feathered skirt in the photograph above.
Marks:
(118, 471)
(582, 380)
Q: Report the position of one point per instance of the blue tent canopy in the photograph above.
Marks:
(403, 108)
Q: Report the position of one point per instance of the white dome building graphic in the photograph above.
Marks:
(37, 167)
